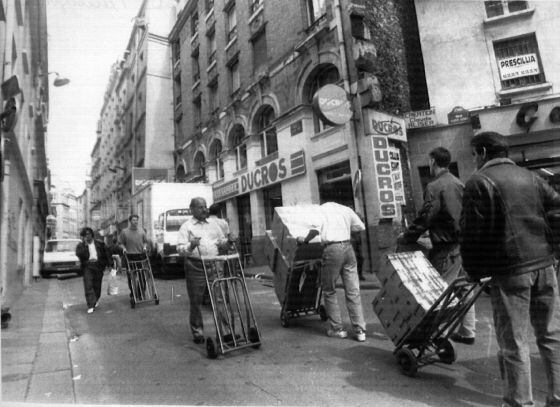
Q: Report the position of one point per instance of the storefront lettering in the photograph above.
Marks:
(387, 204)
(387, 127)
(265, 175)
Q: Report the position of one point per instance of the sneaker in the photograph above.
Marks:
(341, 333)
(360, 335)
(90, 310)
(467, 340)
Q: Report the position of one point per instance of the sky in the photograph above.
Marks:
(85, 38)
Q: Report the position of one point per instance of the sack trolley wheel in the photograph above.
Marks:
(254, 337)
(211, 351)
(132, 303)
(156, 300)
(407, 361)
(323, 313)
(445, 351)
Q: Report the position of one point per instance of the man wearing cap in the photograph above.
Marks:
(506, 236)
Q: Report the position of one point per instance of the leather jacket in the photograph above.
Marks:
(504, 224)
(82, 251)
(441, 211)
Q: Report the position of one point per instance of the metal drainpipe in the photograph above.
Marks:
(358, 108)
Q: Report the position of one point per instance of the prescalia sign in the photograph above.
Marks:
(518, 66)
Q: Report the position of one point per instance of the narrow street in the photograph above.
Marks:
(119, 355)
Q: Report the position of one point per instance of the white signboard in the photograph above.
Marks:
(384, 177)
(384, 124)
(420, 118)
(518, 66)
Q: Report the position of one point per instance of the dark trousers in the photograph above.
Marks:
(93, 276)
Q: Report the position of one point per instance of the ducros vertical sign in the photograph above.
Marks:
(383, 177)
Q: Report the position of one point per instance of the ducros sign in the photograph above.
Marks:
(332, 105)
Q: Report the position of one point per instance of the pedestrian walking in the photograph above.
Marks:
(94, 260)
(199, 237)
(505, 235)
(441, 216)
(339, 260)
(134, 243)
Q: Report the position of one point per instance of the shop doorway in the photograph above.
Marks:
(272, 198)
(245, 225)
(335, 184)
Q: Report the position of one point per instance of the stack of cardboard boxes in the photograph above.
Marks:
(410, 287)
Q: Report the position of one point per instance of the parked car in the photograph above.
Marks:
(60, 257)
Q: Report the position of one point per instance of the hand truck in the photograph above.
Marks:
(429, 342)
(234, 319)
(141, 279)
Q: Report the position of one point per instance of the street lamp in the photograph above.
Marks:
(59, 80)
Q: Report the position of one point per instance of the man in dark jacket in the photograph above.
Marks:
(441, 215)
(505, 235)
(93, 256)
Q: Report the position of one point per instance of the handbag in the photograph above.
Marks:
(112, 287)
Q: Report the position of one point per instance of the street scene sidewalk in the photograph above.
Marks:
(55, 353)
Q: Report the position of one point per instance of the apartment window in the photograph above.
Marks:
(237, 137)
(259, 52)
(519, 62)
(211, 49)
(359, 28)
(215, 157)
(19, 13)
(213, 103)
(195, 69)
(231, 24)
(176, 51)
(254, 6)
(315, 10)
(194, 24)
(208, 5)
(499, 8)
(197, 112)
(323, 75)
(235, 77)
(198, 165)
(267, 132)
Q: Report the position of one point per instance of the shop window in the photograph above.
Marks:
(237, 137)
(315, 10)
(267, 132)
(215, 158)
(322, 76)
(502, 7)
(519, 62)
(272, 198)
(259, 52)
(194, 24)
(426, 177)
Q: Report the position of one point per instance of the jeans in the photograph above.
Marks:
(196, 284)
(517, 301)
(447, 261)
(339, 260)
(93, 276)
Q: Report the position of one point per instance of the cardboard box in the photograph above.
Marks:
(410, 287)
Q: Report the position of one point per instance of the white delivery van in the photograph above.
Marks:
(163, 208)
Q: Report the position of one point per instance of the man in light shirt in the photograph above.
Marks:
(339, 260)
(198, 237)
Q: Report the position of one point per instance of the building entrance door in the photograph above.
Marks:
(245, 225)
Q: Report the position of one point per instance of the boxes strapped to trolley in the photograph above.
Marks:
(420, 311)
(296, 269)
(141, 279)
(234, 319)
